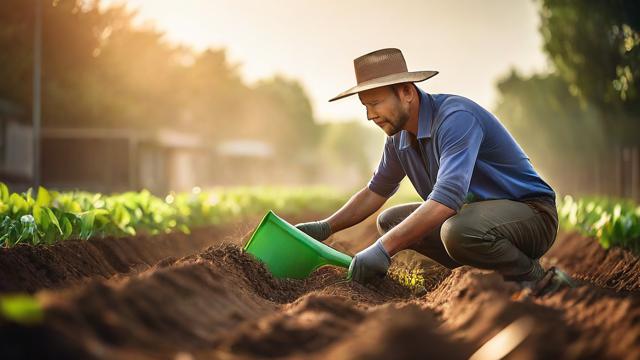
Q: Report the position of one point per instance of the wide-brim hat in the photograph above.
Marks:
(381, 68)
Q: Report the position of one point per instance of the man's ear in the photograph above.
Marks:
(407, 92)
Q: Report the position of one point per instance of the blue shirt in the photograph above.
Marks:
(471, 156)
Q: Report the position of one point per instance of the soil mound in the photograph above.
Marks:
(222, 303)
(185, 304)
(615, 268)
(27, 268)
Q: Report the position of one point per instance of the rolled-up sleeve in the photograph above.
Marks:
(459, 139)
(387, 177)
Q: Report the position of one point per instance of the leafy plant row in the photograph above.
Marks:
(52, 216)
(612, 222)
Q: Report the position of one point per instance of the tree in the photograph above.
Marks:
(595, 47)
(102, 71)
(286, 114)
(213, 94)
(553, 127)
(99, 70)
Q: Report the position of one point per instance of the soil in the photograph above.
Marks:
(27, 268)
(200, 296)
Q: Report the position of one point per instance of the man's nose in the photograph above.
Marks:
(371, 115)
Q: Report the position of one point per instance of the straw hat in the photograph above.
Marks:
(381, 68)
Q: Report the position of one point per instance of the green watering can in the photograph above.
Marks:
(288, 252)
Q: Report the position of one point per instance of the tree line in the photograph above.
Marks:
(580, 121)
(101, 69)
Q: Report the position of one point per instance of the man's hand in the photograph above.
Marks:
(370, 264)
(319, 230)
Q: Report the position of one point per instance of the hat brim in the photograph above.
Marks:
(411, 76)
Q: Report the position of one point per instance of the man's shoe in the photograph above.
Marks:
(553, 280)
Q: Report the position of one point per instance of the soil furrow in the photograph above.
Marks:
(221, 303)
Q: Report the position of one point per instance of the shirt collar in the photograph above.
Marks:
(425, 115)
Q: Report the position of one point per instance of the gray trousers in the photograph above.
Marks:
(502, 235)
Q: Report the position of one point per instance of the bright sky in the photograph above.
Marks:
(471, 42)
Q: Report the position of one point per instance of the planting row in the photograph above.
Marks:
(52, 216)
(612, 222)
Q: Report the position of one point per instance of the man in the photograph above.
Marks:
(485, 205)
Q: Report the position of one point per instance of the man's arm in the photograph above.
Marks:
(423, 220)
(361, 205)
(459, 140)
(383, 184)
(364, 203)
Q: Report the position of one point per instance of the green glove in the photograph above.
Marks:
(319, 230)
(370, 264)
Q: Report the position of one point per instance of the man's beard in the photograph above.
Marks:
(397, 125)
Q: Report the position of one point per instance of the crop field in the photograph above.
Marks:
(134, 276)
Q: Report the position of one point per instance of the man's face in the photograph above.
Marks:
(385, 108)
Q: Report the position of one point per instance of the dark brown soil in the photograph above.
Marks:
(615, 268)
(27, 268)
(220, 303)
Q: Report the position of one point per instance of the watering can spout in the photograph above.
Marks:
(289, 252)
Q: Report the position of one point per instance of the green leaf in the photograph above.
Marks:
(129, 230)
(28, 198)
(86, 224)
(42, 220)
(29, 231)
(18, 204)
(43, 199)
(4, 192)
(101, 212)
(53, 219)
(67, 228)
(122, 216)
(37, 214)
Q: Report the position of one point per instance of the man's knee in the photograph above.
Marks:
(384, 222)
(458, 237)
(394, 215)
